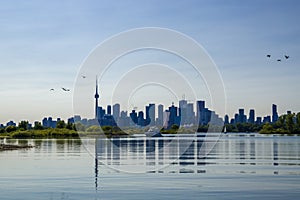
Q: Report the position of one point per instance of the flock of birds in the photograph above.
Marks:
(279, 59)
(66, 89)
(83, 76)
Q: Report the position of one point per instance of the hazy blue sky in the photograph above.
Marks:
(43, 44)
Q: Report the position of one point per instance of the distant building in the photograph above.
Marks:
(173, 117)
(141, 120)
(274, 113)
(160, 116)
(251, 116)
(190, 114)
(267, 119)
(150, 114)
(116, 112)
(200, 112)
(134, 117)
(124, 120)
(258, 120)
(242, 116)
(108, 109)
(49, 123)
(96, 100)
(226, 119)
(183, 112)
(11, 123)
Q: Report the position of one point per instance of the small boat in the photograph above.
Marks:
(153, 132)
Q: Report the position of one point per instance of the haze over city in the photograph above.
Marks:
(43, 45)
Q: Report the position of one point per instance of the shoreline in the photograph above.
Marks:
(10, 147)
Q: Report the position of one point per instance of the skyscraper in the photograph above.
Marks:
(183, 111)
(173, 116)
(150, 114)
(251, 116)
(116, 112)
(200, 112)
(109, 109)
(190, 113)
(160, 117)
(226, 119)
(274, 113)
(241, 118)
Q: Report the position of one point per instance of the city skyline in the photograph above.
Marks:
(115, 111)
(45, 43)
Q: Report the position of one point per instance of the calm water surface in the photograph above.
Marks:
(235, 166)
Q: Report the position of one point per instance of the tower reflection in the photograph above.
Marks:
(233, 153)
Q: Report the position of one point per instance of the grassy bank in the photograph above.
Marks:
(46, 133)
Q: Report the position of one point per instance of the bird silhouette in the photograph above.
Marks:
(279, 60)
(269, 56)
(286, 57)
(65, 89)
(51, 89)
(83, 76)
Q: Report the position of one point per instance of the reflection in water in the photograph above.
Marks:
(241, 153)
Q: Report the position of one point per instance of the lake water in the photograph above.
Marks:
(235, 166)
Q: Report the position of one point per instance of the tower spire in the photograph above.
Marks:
(96, 98)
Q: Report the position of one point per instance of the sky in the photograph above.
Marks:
(45, 43)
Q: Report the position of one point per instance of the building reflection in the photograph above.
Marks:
(182, 155)
(167, 155)
(231, 154)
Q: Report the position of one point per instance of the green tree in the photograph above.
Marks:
(290, 125)
(61, 124)
(79, 126)
(267, 129)
(95, 129)
(298, 120)
(69, 126)
(174, 127)
(10, 129)
(23, 125)
(280, 122)
(38, 126)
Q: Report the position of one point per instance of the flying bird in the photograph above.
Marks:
(51, 89)
(286, 57)
(83, 76)
(279, 60)
(65, 89)
(269, 56)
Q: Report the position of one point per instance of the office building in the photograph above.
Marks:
(274, 113)
(251, 116)
(160, 116)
